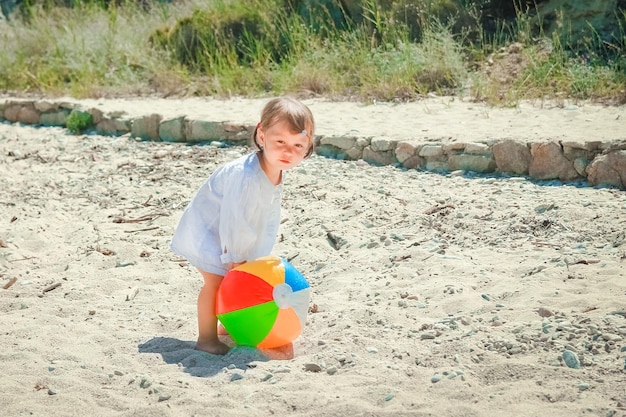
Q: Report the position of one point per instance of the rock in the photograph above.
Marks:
(548, 162)
(580, 165)
(413, 162)
(477, 149)
(404, 151)
(474, 163)
(341, 142)
(44, 106)
(436, 166)
(571, 359)
(427, 336)
(172, 130)
(96, 115)
(147, 127)
(145, 383)
(236, 131)
(608, 169)
(107, 126)
(236, 376)
(57, 118)
(512, 157)
(11, 110)
(28, 115)
(431, 150)
(379, 158)
(312, 367)
(383, 144)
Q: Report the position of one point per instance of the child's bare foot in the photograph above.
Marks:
(212, 346)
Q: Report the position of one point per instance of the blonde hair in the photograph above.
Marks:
(295, 114)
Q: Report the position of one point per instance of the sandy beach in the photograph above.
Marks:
(432, 295)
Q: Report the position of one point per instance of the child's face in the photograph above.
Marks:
(281, 148)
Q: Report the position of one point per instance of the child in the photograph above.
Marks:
(235, 215)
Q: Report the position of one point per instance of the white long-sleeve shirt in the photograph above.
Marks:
(234, 217)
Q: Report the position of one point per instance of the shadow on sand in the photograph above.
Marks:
(202, 364)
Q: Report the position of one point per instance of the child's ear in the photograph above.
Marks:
(260, 136)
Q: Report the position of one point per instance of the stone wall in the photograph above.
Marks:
(601, 163)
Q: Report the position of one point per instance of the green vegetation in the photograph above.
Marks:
(363, 50)
(79, 121)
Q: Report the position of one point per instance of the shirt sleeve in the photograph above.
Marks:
(238, 226)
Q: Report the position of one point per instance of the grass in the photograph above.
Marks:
(390, 51)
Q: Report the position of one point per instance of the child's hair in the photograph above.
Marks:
(295, 114)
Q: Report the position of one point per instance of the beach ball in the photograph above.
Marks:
(263, 303)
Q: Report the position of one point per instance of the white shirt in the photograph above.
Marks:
(234, 217)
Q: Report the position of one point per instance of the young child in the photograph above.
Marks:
(235, 215)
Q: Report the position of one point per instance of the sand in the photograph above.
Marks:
(432, 295)
(439, 119)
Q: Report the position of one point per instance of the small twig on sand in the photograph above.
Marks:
(22, 259)
(147, 217)
(52, 287)
(132, 294)
(552, 245)
(9, 284)
(435, 209)
(141, 230)
(586, 262)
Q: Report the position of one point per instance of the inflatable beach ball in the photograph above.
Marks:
(263, 303)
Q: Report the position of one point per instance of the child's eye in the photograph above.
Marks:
(298, 145)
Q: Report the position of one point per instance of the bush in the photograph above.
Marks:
(243, 33)
(79, 121)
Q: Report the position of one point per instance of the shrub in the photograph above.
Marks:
(79, 121)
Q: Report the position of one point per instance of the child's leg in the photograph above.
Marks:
(207, 320)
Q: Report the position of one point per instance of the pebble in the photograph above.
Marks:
(282, 370)
(427, 335)
(236, 376)
(164, 397)
(612, 337)
(544, 312)
(435, 378)
(571, 359)
(312, 367)
(371, 349)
